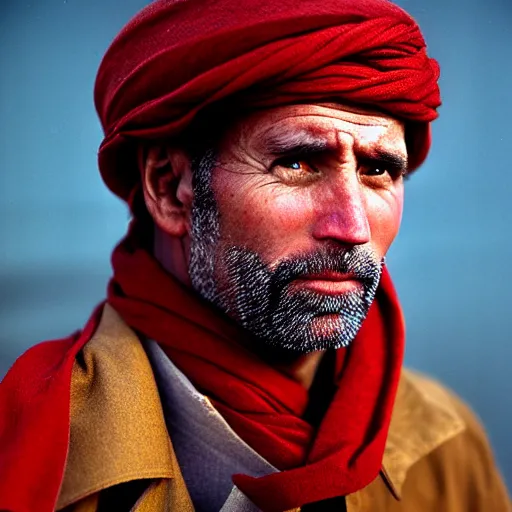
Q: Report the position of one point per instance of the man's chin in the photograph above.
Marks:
(298, 349)
(326, 328)
(324, 332)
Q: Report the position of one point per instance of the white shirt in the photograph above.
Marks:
(209, 452)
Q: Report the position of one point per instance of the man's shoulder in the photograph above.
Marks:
(116, 419)
(443, 411)
(431, 413)
(419, 393)
(437, 443)
(34, 405)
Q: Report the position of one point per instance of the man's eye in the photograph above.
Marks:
(376, 171)
(294, 164)
(294, 171)
(381, 171)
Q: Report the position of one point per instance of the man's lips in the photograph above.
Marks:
(329, 283)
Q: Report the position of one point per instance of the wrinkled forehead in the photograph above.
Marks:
(318, 126)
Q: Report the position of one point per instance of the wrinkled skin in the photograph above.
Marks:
(276, 210)
(294, 180)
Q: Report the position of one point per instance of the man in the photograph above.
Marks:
(249, 353)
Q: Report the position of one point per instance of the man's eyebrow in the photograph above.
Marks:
(294, 142)
(304, 141)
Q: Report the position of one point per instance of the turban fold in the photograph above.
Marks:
(176, 58)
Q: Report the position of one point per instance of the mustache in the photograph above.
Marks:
(360, 261)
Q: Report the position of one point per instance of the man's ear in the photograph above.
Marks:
(167, 184)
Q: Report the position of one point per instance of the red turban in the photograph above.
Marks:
(177, 57)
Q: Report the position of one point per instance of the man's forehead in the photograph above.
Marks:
(322, 125)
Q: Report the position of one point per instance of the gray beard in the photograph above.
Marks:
(262, 300)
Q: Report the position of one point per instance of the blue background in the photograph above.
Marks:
(450, 263)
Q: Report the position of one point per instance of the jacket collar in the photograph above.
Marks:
(423, 419)
(118, 431)
(117, 426)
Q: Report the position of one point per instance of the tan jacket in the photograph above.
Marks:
(437, 456)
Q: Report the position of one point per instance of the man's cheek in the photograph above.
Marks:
(263, 221)
(385, 219)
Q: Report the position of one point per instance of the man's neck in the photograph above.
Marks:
(303, 369)
(172, 254)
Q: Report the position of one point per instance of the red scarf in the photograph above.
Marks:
(264, 406)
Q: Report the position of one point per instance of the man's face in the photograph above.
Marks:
(292, 218)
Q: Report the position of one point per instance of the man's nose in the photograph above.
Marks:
(342, 214)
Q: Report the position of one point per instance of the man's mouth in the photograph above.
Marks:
(329, 283)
